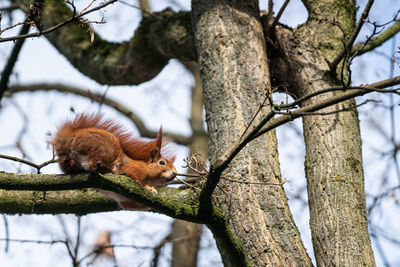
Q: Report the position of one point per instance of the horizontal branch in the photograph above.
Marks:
(174, 202)
(46, 182)
(268, 123)
(327, 103)
(101, 99)
(79, 202)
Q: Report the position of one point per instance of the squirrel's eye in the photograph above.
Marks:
(161, 162)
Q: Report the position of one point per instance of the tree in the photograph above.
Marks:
(243, 59)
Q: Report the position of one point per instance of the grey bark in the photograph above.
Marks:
(235, 74)
(333, 163)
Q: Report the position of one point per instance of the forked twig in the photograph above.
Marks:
(37, 166)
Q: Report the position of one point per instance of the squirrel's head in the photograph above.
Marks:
(161, 172)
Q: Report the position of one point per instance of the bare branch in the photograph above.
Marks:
(99, 98)
(144, 8)
(334, 89)
(270, 10)
(348, 46)
(326, 103)
(8, 69)
(268, 123)
(7, 232)
(278, 16)
(74, 18)
(329, 112)
(364, 47)
(157, 250)
(37, 166)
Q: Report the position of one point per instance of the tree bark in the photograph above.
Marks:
(186, 242)
(333, 162)
(232, 55)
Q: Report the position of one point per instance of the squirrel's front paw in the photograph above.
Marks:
(151, 188)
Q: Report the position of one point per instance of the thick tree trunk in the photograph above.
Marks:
(333, 161)
(235, 74)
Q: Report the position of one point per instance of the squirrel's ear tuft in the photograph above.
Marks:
(154, 154)
(159, 139)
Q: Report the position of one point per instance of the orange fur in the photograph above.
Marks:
(90, 143)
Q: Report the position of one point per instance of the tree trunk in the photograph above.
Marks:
(186, 239)
(232, 55)
(333, 161)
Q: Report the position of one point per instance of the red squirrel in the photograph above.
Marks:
(91, 143)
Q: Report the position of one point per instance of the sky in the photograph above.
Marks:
(164, 101)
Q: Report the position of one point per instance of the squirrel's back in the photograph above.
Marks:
(91, 134)
(136, 148)
(88, 143)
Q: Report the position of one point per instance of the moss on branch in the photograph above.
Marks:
(174, 202)
(55, 194)
(78, 202)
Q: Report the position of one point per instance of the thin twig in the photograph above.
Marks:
(89, 5)
(349, 45)
(267, 95)
(187, 184)
(78, 236)
(378, 40)
(37, 166)
(144, 11)
(366, 88)
(56, 27)
(266, 125)
(327, 113)
(7, 232)
(32, 241)
(8, 69)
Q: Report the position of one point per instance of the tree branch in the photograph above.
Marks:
(99, 98)
(8, 69)
(278, 16)
(176, 203)
(268, 123)
(347, 48)
(376, 41)
(158, 38)
(326, 103)
(37, 166)
(73, 18)
(78, 202)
